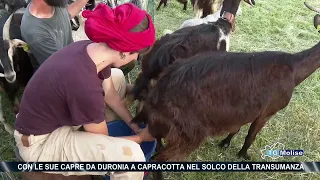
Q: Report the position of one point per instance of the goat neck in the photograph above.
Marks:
(305, 63)
(229, 10)
(230, 18)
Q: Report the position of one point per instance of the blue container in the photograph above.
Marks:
(120, 128)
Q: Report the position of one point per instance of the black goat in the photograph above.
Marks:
(16, 69)
(181, 44)
(15, 61)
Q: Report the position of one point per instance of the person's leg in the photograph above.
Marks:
(119, 82)
(66, 144)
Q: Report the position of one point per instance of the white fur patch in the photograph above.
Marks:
(197, 12)
(216, 6)
(1, 64)
(6, 28)
(197, 21)
(10, 55)
(223, 37)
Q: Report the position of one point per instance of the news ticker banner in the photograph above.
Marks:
(160, 166)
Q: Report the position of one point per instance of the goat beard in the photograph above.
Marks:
(57, 3)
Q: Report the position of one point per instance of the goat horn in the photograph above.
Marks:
(312, 8)
(250, 2)
(6, 28)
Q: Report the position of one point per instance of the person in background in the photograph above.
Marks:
(72, 87)
(46, 28)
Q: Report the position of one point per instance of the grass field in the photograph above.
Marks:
(285, 25)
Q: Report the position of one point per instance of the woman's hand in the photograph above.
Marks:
(145, 135)
(134, 127)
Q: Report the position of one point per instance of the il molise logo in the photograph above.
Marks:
(278, 150)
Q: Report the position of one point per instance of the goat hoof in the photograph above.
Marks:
(16, 109)
(224, 144)
(243, 155)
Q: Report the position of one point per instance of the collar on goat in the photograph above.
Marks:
(230, 18)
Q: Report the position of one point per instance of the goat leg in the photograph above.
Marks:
(184, 2)
(255, 127)
(16, 105)
(226, 142)
(7, 126)
(185, 5)
(160, 3)
(157, 175)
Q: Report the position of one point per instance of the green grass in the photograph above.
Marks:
(284, 25)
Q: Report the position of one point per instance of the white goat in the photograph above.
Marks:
(197, 21)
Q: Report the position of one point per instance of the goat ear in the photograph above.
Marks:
(18, 43)
(14, 43)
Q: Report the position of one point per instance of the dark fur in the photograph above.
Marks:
(75, 25)
(12, 5)
(183, 43)
(184, 2)
(21, 59)
(24, 71)
(218, 92)
(316, 21)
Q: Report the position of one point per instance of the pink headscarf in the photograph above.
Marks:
(112, 26)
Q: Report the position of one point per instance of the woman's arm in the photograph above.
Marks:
(101, 128)
(76, 7)
(114, 101)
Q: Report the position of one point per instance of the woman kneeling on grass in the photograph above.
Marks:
(72, 86)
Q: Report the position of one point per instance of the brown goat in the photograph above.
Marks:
(218, 92)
